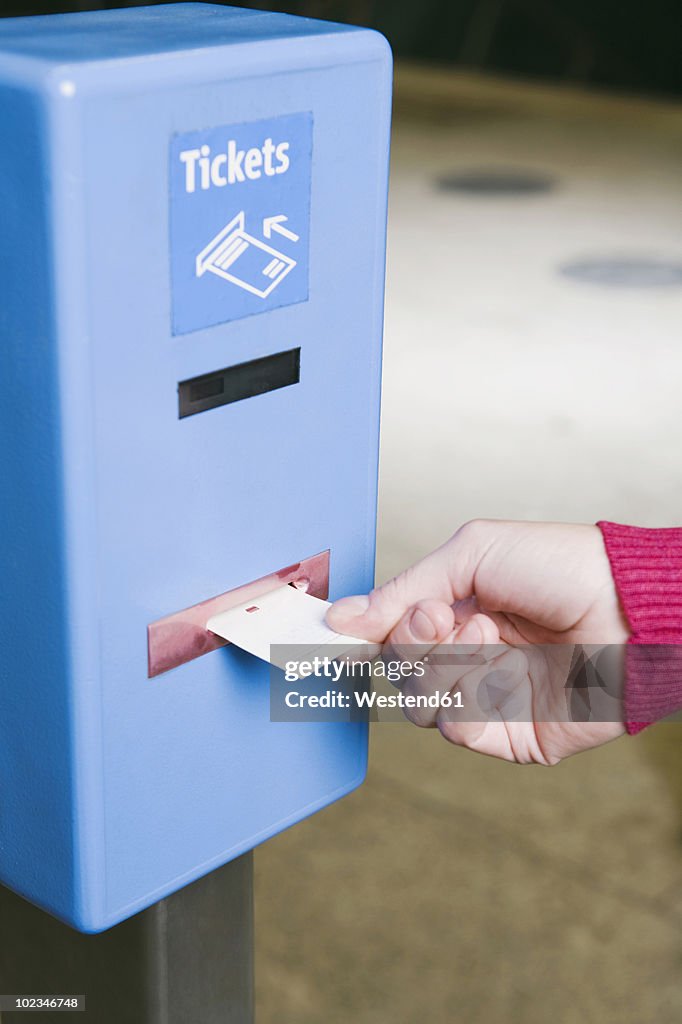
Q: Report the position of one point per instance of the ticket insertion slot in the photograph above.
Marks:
(182, 636)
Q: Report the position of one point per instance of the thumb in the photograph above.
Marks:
(445, 575)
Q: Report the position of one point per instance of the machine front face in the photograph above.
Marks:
(222, 218)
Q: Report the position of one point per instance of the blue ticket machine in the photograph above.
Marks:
(193, 206)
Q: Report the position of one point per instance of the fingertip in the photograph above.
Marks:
(425, 623)
(477, 631)
(460, 734)
(347, 608)
(428, 621)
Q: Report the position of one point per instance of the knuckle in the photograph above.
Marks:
(515, 662)
(472, 528)
(450, 732)
(386, 593)
(419, 718)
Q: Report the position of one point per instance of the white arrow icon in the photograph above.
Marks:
(271, 224)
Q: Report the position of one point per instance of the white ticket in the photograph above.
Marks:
(284, 617)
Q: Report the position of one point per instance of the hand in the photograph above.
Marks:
(496, 588)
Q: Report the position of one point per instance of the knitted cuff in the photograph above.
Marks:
(647, 570)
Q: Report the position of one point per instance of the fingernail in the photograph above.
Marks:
(421, 626)
(470, 633)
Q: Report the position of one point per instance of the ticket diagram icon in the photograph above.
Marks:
(245, 261)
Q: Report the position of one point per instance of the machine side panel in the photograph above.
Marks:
(37, 855)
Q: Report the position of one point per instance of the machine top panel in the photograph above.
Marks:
(167, 28)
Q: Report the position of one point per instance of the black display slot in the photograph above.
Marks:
(235, 383)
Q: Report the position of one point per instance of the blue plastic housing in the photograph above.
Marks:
(116, 789)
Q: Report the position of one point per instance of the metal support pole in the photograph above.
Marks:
(187, 959)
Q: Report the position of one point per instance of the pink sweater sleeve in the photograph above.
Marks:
(647, 569)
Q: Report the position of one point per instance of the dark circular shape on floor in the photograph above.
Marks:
(625, 272)
(497, 181)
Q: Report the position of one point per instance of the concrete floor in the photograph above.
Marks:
(452, 888)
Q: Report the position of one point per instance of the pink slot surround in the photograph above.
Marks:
(182, 636)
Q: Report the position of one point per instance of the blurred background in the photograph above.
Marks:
(533, 366)
(620, 43)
